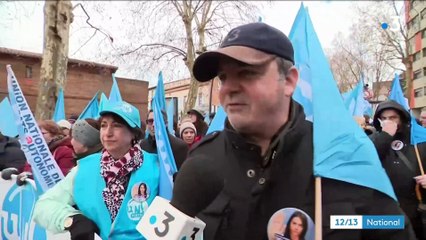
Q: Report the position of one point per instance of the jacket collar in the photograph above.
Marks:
(286, 134)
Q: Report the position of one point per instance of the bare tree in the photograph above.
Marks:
(58, 17)
(168, 35)
(393, 41)
(364, 50)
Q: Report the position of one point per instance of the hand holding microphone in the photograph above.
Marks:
(197, 184)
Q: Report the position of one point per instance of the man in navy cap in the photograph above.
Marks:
(264, 157)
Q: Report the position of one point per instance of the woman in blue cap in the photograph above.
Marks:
(96, 196)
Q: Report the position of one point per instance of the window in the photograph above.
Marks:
(424, 71)
(424, 34)
(424, 90)
(184, 100)
(417, 56)
(417, 74)
(424, 53)
(418, 92)
(28, 72)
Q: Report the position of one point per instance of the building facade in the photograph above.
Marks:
(179, 89)
(84, 79)
(415, 16)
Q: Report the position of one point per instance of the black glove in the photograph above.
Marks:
(82, 228)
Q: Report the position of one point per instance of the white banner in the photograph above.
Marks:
(16, 204)
(45, 169)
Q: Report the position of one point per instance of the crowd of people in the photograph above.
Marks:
(264, 156)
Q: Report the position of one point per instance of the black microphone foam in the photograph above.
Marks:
(7, 173)
(197, 184)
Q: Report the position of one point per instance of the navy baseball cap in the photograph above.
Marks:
(253, 44)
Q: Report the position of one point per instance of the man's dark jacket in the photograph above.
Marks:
(11, 154)
(179, 148)
(399, 171)
(256, 187)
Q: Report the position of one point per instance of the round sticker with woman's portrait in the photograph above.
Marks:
(290, 224)
(140, 192)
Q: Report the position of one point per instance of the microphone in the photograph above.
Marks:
(7, 173)
(197, 184)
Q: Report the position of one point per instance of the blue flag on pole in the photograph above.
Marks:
(170, 116)
(114, 94)
(59, 113)
(45, 169)
(92, 109)
(218, 122)
(355, 102)
(397, 95)
(418, 133)
(342, 151)
(165, 154)
(7, 119)
(102, 102)
(160, 92)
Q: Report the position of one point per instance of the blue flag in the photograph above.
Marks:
(92, 109)
(45, 169)
(397, 95)
(355, 102)
(102, 102)
(160, 92)
(165, 154)
(342, 151)
(218, 122)
(170, 116)
(59, 113)
(418, 133)
(345, 95)
(7, 119)
(114, 94)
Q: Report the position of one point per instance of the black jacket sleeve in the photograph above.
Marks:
(340, 198)
(382, 142)
(180, 150)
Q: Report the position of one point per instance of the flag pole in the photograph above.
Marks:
(418, 159)
(422, 172)
(318, 209)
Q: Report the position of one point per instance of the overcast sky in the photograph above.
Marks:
(21, 22)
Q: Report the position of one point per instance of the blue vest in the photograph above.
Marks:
(88, 186)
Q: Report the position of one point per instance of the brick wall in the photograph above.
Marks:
(83, 81)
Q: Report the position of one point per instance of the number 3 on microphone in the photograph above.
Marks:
(169, 219)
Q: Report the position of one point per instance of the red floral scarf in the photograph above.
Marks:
(117, 174)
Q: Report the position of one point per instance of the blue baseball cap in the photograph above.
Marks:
(126, 111)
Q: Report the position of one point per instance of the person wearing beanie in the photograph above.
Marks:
(65, 126)
(85, 138)
(188, 133)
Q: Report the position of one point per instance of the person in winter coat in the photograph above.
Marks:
(85, 138)
(198, 121)
(392, 141)
(188, 133)
(11, 155)
(59, 145)
(99, 195)
(179, 147)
